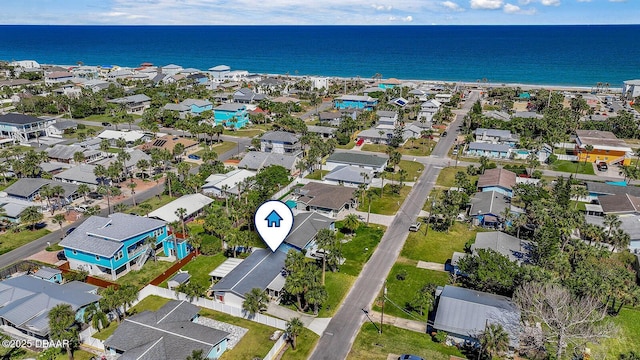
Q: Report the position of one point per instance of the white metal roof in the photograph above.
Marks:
(129, 136)
(192, 203)
(225, 268)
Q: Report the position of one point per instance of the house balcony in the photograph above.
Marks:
(137, 251)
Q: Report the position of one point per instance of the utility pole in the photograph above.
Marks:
(366, 313)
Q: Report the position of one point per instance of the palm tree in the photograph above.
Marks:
(196, 241)
(181, 213)
(132, 185)
(351, 222)
(31, 215)
(78, 157)
(120, 207)
(494, 340)
(255, 301)
(63, 327)
(579, 192)
(59, 219)
(84, 189)
(98, 318)
(325, 239)
(146, 207)
(197, 355)
(128, 294)
(620, 240)
(151, 241)
(294, 328)
(611, 222)
(58, 191)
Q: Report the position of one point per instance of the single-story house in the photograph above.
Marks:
(495, 136)
(628, 223)
(247, 96)
(620, 204)
(29, 189)
(114, 245)
(324, 131)
(49, 274)
(171, 332)
(305, 228)
(168, 142)
(510, 246)
(333, 118)
(599, 190)
(488, 150)
(65, 153)
(464, 314)
(181, 278)
(224, 269)
(25, 302)
(349, 175)
(80, 174)
(262, 269)
(231, 115)
(60, 127)
(192, 203)
(487, 208)
(129, 136)
(134, 104)
(326, 199)
(13, 208)
(256, 160)
(131, 164)
(376, 163)
(376, 136)
(499, 180)
(221, 185)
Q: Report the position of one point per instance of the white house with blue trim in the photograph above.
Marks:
(115, 245)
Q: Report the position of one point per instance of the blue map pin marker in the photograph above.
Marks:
(273, 221)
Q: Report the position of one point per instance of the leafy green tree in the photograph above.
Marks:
(111, 301)
(255, 301)
(494, 340)
(490, 271)
(423, 299)
(351, 222)
(97, 318)
(197, 355)
(63, 327)
(192, 289)
(31, 216)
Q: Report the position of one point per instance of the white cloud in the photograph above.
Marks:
(524, 2)
(404, 19)
(452, 6)
(583, 0)
(617, 0)
(382, 7)
(486, 4)
(408, 18)
(515, 9)
(550, 2)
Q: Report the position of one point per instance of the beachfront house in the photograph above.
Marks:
(631, 89)
(355, 102)
(133, 104)
(231, 115)
(114, 245)
(606, 148)
(171, 332)
(23, 128)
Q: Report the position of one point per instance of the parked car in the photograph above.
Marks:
(40, 225)
(95, 195)
(61, 256)
(602, 166)
(69, 231)
(106, 124)
(82, 208)
(444, 134)
(410, 357)
(193, 157)
(415, 226)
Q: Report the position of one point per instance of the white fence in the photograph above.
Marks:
(87, 339)
(212, 305)
(567, 157)
(277, 347)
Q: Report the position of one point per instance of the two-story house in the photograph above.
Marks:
(133, 104)
(23, 128)
(495, 136)
(198, 106)
(355, 102)
(231, 115)
(605, 147)
(427, 110)
(280, 142)
(112, 246)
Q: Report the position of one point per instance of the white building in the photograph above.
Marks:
(631, 89)
(192, 203)
(221, 185)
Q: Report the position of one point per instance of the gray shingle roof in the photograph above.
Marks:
(280, 136)
(104, 236)
(256, 271)
(467, 312)
(27, 187)
(26, 300)
(83, 173)
(505, 244)
(138, 98)
(19, 119)
(65, 124)
(47, 272)
(489, 147)
(167, 333)
(65, 152)
(175, 107)
(306, 227)
(355, 158)
(321, 129)
(607, 189)
(349, 174)
(326, 196)
(330, 115)
(488, 202)
(229, 107)
(256, 160)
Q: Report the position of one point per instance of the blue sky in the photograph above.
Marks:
(321, 12)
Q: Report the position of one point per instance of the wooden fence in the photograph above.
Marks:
(90, 279)
(172, 270)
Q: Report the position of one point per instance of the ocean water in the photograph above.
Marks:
(562, 55)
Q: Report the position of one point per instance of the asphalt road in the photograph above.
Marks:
(340, 334)
(41, 243)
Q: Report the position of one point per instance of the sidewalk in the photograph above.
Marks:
(315, 324)
(412, 325)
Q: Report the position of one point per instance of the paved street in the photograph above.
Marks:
(337, 339)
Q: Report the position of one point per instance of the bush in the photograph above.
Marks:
(210, 248)
(401, 275)
(440, 336)
(76, 276)
(536, 174)
(81, 126)
(552, 158)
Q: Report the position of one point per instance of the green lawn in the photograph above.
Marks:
(254, 344)
(200, 267)
(626, 340)
(142, 277)
(370, 345)
(420, 147)
(305, 343)
(358, 251)
(337, 285)
(244, 132)
(155, 203)
(8, 183)
(570, 167)
(10, 240)
(316, 174)
(388, 204)
(375, 147)
(413, 169)
(348, 145)
(224, 146)
(75, 134)
(402, 291)
(447, 177)
(437, 246)
(99, 118)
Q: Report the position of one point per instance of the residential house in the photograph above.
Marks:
(129, 136)
(270, 86)
(198, 106)
(375, 136)
(389, 83)
(224, 269)
(28, 189)
(247, 96)
(349, 175)
(256, 160)
(65, 153)
(499, 180)
(23, 128)
(387, 118)
(119, 74)
(80, 174)
(171, 69)
(280, 142)
(200, 79)
(427, 110)
(498, 115)
(400, 102)
(262, 269)
(133, 104)
(376, 163)
(130, 165)
(181, 110)
(286, 100)
(628, 224)
(515, 249)
(59, 128)
(114, 245)
(168, 142)
(333, 118)
(218, 73)
(527, 115)
(96, 85)
(606, 147)
(25, 302)
(14, 207)
(49, 274)
(495, 136)
(57, 77)
(488, 208)
(325, 132)
(620, 204)
(194, 204)
(464, 314)
(304, 231)
(231, 183)
(171, 332)
(231, 115)
(598, 190)
(495, 151)
(355, 102)
(330, 200)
